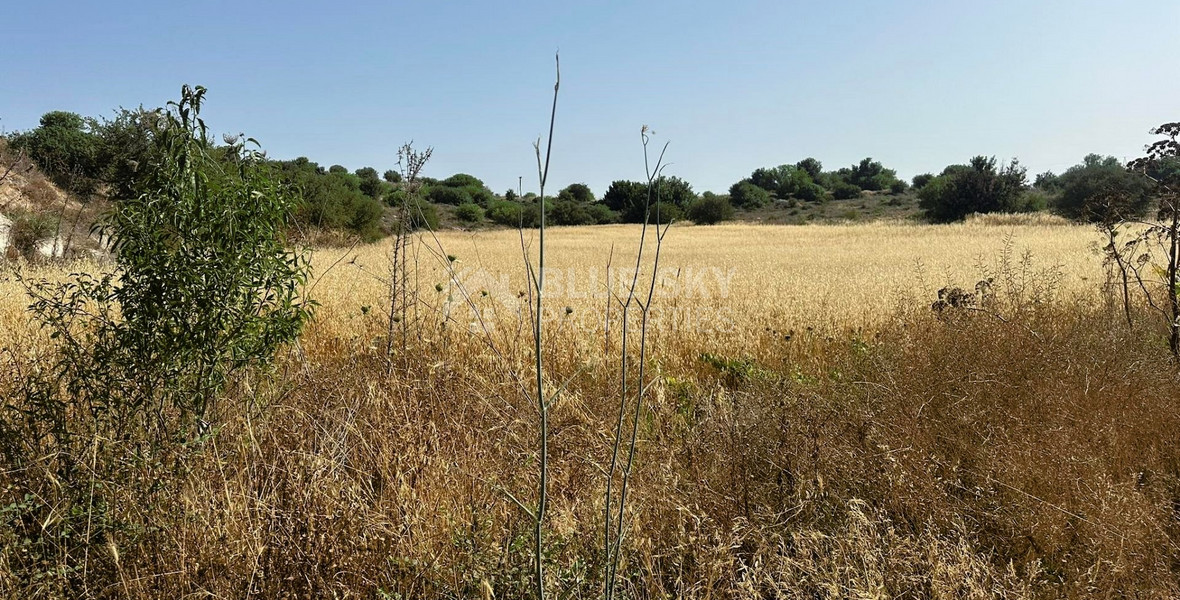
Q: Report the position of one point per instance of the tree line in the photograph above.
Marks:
(111, 156)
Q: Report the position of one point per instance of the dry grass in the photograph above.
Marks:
(838, 441)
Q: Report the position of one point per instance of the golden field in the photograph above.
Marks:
(813, 430)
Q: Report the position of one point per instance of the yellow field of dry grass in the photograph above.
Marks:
(731, 278)
(817, 275)
(827, 463)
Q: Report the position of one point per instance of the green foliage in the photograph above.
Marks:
(871, 175)
(422, 215)
(338, 169)
(371, 185)
(578, 192)
(480, 195)
(570, 212)
(920, 181)
(744, 194)
(710, 209)
(625, 197)
(1102, 190)
(392, 176)
(812, 167)
(462, 180)
(469, 213)
(810, 192)
(331, 200)
(1048, 182)
(670, 195)
(204, 287)
(443, 194)
(65, 147)
(125, 149)
(980, 187)
(843, 190)
(510, 195)
(898, 187)
(524, 214)
(601, 214)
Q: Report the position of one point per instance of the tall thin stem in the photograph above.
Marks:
(542, 401)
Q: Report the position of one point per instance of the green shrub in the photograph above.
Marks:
(920, 181)
(710, 209)
(480, 195)
(810, 192)
(469, 213)
(65, 147)
(525, 215)
(980, 187)
(442, 194)
(578, 192)
(898, 187)
(462, 180)
(570, 212)
(601, 214)
(744, 194)
(871, 175)
(331, 200)
(422, 215)
(1102, 190)
(842, 190)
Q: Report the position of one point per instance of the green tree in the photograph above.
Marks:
(570, 212)
(710, 209)
(979, 187)
(443, 194)
(125, 146)
(462, 180)
(872, 175)
(1100, 189)
(812, 167)
(920, 181)
(392, 176)
(65, 147)
(578, 192)
(745, 194)
(469, 213)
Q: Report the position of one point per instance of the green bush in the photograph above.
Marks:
(469, 213)
(898, 187)
(578, 192)
(331, 200)
(422, 215)
(920, 181)
(525, 215)
(443, 194)
(843, 190)
(570, 212)
(1101, 189)
(462, 180)
(630, 199)
(710, 209)
(744, 194)
(980, 187)
(871, 175)
(810, 192)
(65, 147)
(601, 214)
(1047, 182)
(480, 195)
(812, 167)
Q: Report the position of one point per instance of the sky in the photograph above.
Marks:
(730, 86)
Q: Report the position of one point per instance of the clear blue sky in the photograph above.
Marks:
(732, 85)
